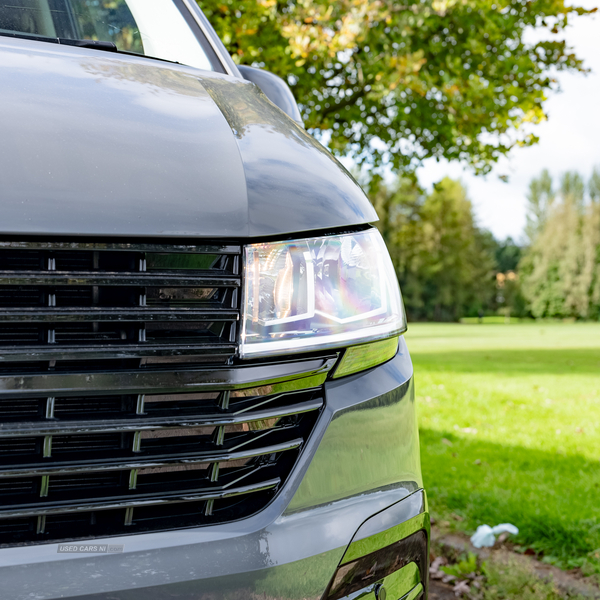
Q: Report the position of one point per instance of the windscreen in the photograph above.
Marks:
(153, 28)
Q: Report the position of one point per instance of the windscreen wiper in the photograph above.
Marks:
(96, 44)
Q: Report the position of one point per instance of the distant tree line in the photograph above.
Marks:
(449, 267)
(445, 263)
(560, 270)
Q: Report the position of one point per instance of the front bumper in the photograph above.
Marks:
(356, 490)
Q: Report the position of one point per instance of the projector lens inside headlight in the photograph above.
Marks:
(325, 292)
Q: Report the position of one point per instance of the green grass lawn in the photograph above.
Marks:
(510, 431)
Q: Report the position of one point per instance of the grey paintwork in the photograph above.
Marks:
(98, 144)
(291, 548)
(275, 89)
(400, 512)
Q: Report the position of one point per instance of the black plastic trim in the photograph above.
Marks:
(36, 353)
(140, 500)
(43, 428)
(150, 462)
(149, 278)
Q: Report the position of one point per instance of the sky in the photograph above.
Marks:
(570, 139)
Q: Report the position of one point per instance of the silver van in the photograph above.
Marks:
(204, 389)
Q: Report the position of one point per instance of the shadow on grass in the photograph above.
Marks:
(516, 362)
(552, 499)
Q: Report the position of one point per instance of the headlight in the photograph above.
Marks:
(325, 292)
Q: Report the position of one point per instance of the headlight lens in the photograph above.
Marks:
(324, 292)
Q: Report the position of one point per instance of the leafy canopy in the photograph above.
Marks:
(387, 81)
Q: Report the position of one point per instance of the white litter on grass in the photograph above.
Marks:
(485, 536)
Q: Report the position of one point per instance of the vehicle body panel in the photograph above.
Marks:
(98, 144)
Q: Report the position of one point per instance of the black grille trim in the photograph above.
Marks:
(36, 353)
(122, 408)
(190, 459)
(121, 247)
(72, 278)
(10, 430)
(34, 315)
(145, 500)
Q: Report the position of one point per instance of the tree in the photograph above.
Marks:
(445, 263)
(507, 254)
(594, 185)
(561, 270)
(540, 199)
(397, 205)
(572, 188)
(398, 82)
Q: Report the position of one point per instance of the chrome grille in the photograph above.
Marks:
(123, 408)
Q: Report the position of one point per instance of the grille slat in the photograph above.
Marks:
(79, 278)
(36, 353)
(143, 381)
(12, 430)
(122, 408)
(32, 315)
(190, 459)
(10, 512)
(28, 249)
(70, 444)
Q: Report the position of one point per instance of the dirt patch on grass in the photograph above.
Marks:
(505, 574)
(441, 591)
